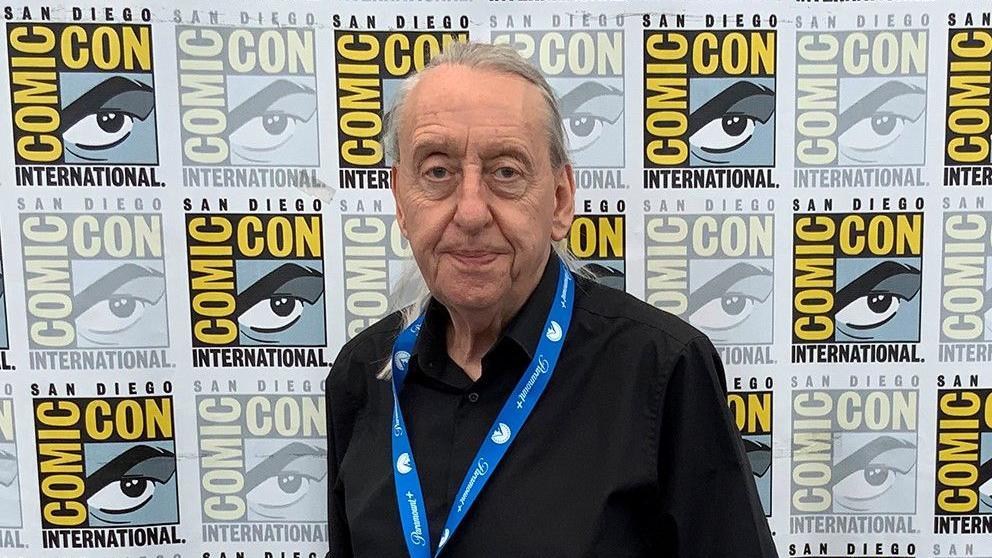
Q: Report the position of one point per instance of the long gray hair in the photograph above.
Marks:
(410, 293)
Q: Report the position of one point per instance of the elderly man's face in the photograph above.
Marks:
(475, 190)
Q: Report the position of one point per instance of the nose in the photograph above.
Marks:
(472, 211)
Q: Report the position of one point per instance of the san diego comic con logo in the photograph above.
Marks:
(598, 241)
(963, 492)
(106, 467)
(965, 334)
(248, 106)
(263, 463)
(375, 254)
(83, 103)
(861, 99)
(752, 412)
(256, 284)
(709, 102)
(856, 281)
(854, 455)
(968, 127)
(582, 59)
(715, 268)
(370, 65)
(94, 284)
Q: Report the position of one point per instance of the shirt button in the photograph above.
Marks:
(473, 397)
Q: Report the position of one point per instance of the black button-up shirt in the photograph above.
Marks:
(631, 450)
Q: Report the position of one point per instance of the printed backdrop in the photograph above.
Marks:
(196, 216)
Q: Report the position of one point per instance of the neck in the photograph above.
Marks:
(472, 332)
(470, 335)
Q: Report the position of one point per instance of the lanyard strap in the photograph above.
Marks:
(516, 409)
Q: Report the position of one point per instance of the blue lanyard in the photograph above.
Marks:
(409, 496)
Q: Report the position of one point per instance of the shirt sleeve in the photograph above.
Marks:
(339, 427)
(709, 504)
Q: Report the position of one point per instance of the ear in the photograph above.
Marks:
(564, 203)
(394, 186)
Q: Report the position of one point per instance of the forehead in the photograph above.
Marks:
(453, 101)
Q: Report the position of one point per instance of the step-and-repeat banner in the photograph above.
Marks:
(196, 216)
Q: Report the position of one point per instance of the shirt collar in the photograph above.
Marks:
(524, 330)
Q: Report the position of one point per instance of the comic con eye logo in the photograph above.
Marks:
(722, 306)
(589, 112)
(114, 308)
(135, 485)
(869, 305)
(876, 477)
(278, 301)
(724, 124)
(875, 126)
(289, 484)
(108, 122)
(264, 125)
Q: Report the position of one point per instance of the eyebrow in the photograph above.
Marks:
(262, 100)
(865, 454)
(508, 149)
(288, 279)
(105, 286)
(722, 103)
(584, 92)
(719, 284)
(867, 105)
(870, 279)
(431, 144)
(113, 94)
(276, 462)
(123, 463)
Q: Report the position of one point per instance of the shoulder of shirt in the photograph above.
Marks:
(366, 353)
(613, 304)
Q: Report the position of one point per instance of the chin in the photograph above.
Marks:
(475, 294)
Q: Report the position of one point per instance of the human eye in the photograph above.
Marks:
(117, 302)
(269, 119)
(587, 110)
(874, 298)
(278, 300)
(437, 172)
(728, 121)
(729, 298)
(507, 173)
(129, 482)
(104, 116)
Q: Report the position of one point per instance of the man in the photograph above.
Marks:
(523, 411)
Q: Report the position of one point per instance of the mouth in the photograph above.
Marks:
(473, 257)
